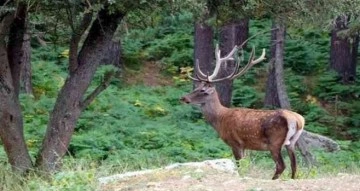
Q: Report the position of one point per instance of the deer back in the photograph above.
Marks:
(255, 129)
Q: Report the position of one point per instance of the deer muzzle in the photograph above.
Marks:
(185, 99)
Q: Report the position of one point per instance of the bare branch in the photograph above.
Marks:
(75, 39)
(253, 36)
(102, 86)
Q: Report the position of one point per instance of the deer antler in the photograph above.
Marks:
(220, 60)
(250, 63)
(200, 76)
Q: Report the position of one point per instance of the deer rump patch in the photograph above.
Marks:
(275, 129)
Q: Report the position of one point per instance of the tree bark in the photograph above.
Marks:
(26, 71)
(343, 52)
(68, 105)
(276, 95)
(203, 48)
(11, 123)
(15, 45)
(232, 34)
(75, 39)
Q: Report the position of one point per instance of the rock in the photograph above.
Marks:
(225, 165)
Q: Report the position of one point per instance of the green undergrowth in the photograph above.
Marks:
(138, 127)
(82, 174)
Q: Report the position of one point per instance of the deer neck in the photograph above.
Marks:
(213, 111)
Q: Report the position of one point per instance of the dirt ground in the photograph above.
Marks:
(148, 75)
(208, 179)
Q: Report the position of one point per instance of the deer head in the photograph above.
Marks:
(205, 91)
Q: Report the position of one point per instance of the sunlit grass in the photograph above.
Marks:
(83, 174)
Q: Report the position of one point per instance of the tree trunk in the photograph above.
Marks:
(69, 103)
(343, 53)
(11, 124)
(232, 34)
(275, 95)
(15, 45)
(26, 72)
(203, 48)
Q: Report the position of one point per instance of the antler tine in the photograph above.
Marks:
(260, 59)
(237, 64)
(219, 60)
(197, 72)
(250, 63)
(195, 79)
(198, 69)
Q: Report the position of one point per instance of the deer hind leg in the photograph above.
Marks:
(292, 157)
(280, 165)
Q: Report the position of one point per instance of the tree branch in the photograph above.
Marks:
(75, 39)
(102, 86)
(309, 140)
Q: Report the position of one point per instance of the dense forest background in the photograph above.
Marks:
(90, 88)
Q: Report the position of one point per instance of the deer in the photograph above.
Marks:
(244, 128)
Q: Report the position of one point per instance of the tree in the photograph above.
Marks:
(26, 72)
(97, 46)
(344, 48)
(11, 121)
(203, 46)
(233, 34)
(82, 69)
(341, 18)
(276, 95)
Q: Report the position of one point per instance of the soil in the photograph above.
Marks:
(209, 179)
(150, 74)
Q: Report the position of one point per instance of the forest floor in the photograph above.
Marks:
(210, 179)
(150, 74)
(205, 178)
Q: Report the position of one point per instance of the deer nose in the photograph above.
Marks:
(185, 100)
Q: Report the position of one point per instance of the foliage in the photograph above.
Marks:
(311, 55)
(245, 96)
(137, 127)
(144, 123)
(77, 175)
(170, 42)
(343, 101)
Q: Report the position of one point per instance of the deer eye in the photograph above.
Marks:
(202, 90)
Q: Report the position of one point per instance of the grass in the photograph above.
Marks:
(76, 175)
(82, 174)
(139, 127)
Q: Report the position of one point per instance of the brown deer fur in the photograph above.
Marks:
(242, 128)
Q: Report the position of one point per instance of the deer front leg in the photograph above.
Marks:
(238, 153)
(280, 165)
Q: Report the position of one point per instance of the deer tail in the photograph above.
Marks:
(296, 124)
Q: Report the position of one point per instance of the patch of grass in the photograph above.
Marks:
(76, 175)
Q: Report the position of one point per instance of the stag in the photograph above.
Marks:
(243, 128)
